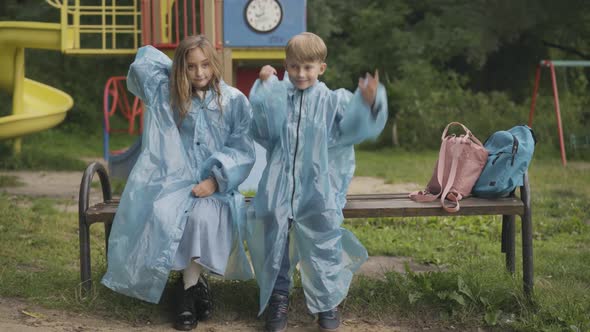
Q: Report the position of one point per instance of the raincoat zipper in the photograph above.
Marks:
(295, 154)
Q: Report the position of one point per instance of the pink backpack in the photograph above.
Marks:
(460, 162)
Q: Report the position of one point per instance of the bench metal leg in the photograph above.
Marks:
(527, 239)
(85, 276)
(527, 253)
(508, 247)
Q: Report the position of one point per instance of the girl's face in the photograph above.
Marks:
(198, 69)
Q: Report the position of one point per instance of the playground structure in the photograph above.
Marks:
(551, 64)
(121, 27)
(35, 106)
(242, 48)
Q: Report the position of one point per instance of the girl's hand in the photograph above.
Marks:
(205, 188)
(266, 72)
(368, 87)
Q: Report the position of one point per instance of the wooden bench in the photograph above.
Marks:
(357, 206)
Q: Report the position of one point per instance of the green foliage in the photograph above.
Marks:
(28, 10)
(82, 77)
(467, 61)
(454, 297)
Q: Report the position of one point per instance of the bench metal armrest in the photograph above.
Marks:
(95, 167)
(84, 231)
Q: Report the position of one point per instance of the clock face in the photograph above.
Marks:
(263, 15)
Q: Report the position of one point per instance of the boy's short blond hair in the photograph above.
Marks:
(306, 47)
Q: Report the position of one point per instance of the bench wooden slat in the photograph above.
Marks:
(375, 206)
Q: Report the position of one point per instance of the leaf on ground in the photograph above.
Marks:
(32, 314)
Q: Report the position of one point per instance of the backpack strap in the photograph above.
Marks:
(456, 150)
(423, 195)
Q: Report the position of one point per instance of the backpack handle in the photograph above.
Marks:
(467, 133)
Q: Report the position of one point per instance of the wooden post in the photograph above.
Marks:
(228, 70)
(208, 15)
(213, 30)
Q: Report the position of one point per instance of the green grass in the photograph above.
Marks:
(470, 248)
(396, 166)
(39, 245)
(60, 149)
(9, 181)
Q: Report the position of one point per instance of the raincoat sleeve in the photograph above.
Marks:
(352, 120)
(150, 68)
(231, 165)
(269, 110)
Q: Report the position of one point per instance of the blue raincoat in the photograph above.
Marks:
(309, 137)
(157, 199)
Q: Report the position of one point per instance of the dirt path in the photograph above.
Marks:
(16, 315)
(66, 185)
(19, 316)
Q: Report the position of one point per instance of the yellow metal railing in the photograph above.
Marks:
(113, 27)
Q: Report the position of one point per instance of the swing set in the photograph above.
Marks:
(551, 64)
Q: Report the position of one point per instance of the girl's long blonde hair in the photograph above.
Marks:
(181, 89)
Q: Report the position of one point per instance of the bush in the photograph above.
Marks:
(424, 100)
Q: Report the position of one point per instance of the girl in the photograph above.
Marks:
(180, 209)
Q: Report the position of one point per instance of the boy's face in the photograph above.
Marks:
(304, 74)
(198, 69)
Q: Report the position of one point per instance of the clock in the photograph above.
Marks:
(263, 16)
(261, 23)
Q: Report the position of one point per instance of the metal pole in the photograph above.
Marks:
(557, 113)
(534, 98)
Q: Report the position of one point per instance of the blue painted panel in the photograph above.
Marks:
(237, 33)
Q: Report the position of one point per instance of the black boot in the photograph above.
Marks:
(278, 309)
(203, 301)
(186, 318)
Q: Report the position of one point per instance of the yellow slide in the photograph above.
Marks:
(35, 106)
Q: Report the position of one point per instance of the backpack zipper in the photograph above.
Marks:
(497, 156)
(514, 149)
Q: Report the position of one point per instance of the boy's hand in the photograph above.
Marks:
(368, 87)
(205, 188)
(266, 72)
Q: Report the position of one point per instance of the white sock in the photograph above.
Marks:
(191, 274)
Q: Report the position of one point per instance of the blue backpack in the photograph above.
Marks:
(509, 155)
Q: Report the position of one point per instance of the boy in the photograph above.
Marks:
(308, 131)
